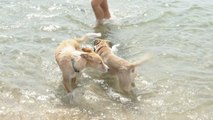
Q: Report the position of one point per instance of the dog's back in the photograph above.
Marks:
(65, 49)
(74, 44)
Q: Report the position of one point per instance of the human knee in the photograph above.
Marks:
(96, 3)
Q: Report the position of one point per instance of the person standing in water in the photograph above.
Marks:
(101, 10)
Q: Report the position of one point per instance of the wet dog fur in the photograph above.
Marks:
(71, 59)
(121, 68)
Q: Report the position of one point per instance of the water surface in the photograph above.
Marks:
(177, 84)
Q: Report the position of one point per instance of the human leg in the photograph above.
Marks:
(104, 6)
(98, 10)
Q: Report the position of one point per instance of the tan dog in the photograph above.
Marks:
(71, 59)
(124, 70)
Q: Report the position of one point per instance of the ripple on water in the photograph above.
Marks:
(50, 28)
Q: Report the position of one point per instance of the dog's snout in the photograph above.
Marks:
(107, 69)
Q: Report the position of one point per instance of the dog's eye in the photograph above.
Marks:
(133, 70)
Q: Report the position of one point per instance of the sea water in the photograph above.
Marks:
(176, 84)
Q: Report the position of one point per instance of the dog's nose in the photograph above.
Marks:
(106, 68)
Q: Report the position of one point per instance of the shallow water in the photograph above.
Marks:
(176, 84)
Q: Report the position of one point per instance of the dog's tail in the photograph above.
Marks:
(89, 36)
(144, 59)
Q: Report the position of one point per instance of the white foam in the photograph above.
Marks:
(93, 35)
(114, 48)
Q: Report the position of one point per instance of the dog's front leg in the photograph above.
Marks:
(71, 94)
(68, 87)
(124, 83)
(73, 83)
(66, 79)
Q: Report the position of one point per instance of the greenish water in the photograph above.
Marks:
(177, 84)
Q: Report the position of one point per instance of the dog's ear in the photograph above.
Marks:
(87, 50)
(109, 43)
(97, 41)
(86, 56)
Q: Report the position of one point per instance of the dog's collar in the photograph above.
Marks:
(73, 66)
(96, 50)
